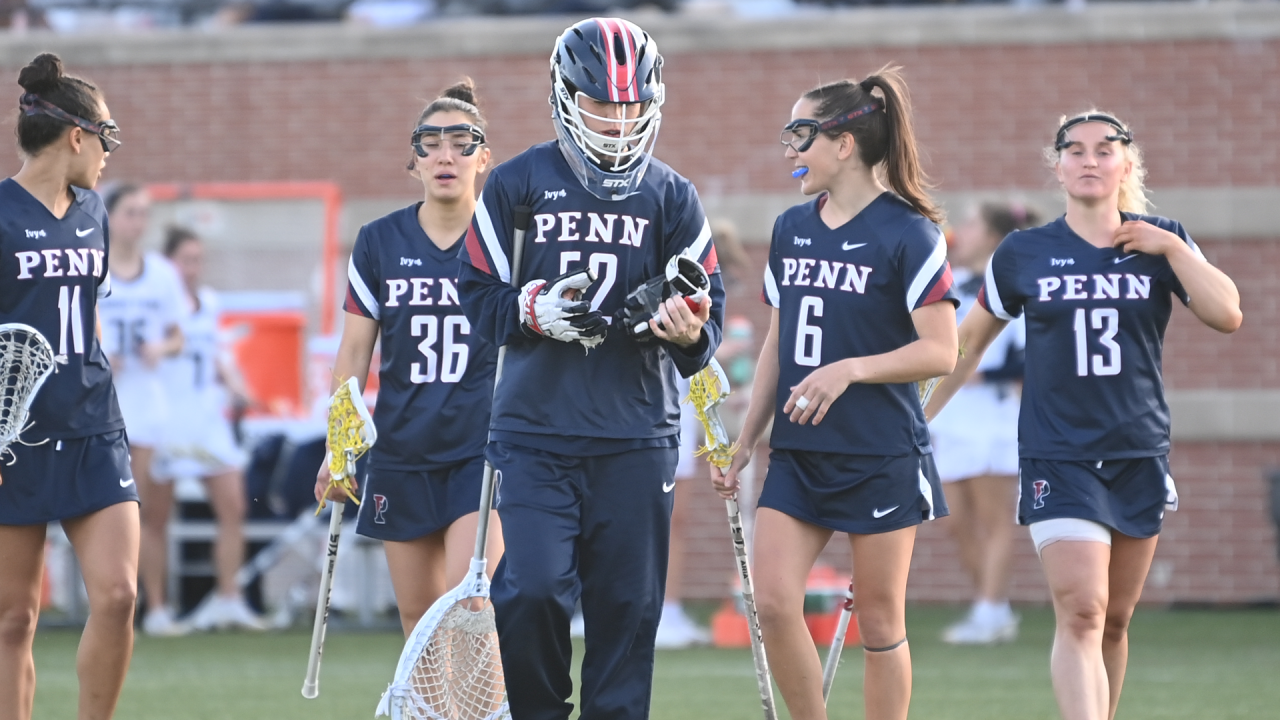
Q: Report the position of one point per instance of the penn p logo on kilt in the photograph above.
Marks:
(380, 509)
(1041, 489)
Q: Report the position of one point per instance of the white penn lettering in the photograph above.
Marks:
(1048, 285)
(601, 227)
(449, 291)
(396, 288)
(77, 262)
(632, 230)
(828, 272)
(788, 269)
(855, 279)
(1106, 286)
(545, 222)
(97, 261)
(569, 226)
(1139, 286)
(51, 258)
(27, 259)
(421, 286)
(1075, 287)
(802, 276)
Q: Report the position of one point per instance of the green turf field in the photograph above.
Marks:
(1184, 664)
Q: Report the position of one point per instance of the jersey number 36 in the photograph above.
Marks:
(455, 350)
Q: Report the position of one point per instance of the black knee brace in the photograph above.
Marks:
(886, 648)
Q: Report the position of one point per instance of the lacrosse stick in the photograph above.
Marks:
(26, 360)
(707, 389)
(837, 644)
(351, 434)
(450, 666)
(926, 387)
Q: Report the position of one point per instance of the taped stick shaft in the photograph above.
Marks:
(763, 680)
(837, 644)
(311, 685)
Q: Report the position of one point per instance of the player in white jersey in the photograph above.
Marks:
(140, 328)
(975, 441)
(198, 441)
(70, 463)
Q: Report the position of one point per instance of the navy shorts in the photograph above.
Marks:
(857, 494)
(1128, 496)
(403, 505)
(67, 478)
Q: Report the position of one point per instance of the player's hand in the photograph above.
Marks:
(679, 324)
(726, 481)
(325, 491)
(151, 354)
(820, 390)
(1, 479)
(1138, 236)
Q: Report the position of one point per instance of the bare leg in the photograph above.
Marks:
(21, 569)
(961, 523)
(785, 550)
(880, 566)
(1077, 574)
(157, 505)
(1130, 561)
(106, 544)
(226, 496)
(992, 520)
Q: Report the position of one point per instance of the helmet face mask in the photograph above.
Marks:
(608, 61)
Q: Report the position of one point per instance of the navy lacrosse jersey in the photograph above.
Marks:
(436, 374)
(847, 293)
(53, 273)
(621, 389)
(1095, 338)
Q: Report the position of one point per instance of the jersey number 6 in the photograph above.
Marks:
(809, 337)
(455, 350)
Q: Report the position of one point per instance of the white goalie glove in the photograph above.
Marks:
(555, 309)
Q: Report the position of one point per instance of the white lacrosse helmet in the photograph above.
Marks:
(609, 60)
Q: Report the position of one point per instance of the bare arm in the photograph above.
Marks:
(355, 353)
(933, 354)
(976, 334)
(1214, 297)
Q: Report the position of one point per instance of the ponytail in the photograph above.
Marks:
(882, 137)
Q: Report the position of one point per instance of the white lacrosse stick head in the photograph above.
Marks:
(351, 430)
(26, 361)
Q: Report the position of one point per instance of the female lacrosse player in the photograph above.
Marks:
(862, 308)
(140, 328)
(975, 442)
(72, 462)
(1096, 286)
(198, 441)
(586, 425)
(422, 493)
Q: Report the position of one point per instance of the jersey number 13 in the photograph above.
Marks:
(1108, 321)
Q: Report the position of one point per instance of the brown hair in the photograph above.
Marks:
(1003, 218)
(882, 137)
(461, 97)
(1133, 191)
(175, 236)
(43, 78)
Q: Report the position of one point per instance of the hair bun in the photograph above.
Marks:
(41, 74)
(464, 90)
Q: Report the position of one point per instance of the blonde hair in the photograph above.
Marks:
(1133, 191)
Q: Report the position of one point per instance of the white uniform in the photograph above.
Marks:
(141, 310)
(197, 441)
(977, 433)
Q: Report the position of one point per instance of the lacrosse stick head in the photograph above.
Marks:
(351, 431)
(707, 390)
(450, 666)
(26, 361)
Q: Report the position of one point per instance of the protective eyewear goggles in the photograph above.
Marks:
(464, 138)
(800, 134)
(107, 130)
(1122, 134)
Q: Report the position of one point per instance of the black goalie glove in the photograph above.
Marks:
(684, 277)
(555, 309)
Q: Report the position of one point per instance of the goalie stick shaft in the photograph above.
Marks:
(311, 685)
(753, 617)
(521, 216)
(837, 644)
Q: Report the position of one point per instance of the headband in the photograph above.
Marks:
(1122, 134)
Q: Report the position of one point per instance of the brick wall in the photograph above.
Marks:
(1205, 111)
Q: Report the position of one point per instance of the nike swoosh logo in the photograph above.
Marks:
(126, 483)
(1119, 260)
(82, 233)
(877, 514)
(668, 487)
(848, 246)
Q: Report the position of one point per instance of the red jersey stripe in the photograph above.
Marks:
(475, 252)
